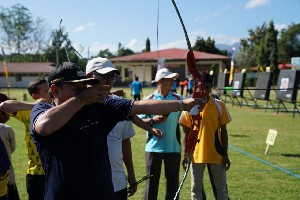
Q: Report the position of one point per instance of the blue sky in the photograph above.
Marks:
(100, 24)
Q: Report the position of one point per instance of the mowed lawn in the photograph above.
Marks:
(253, 175)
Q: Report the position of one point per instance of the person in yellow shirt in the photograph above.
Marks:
(35, 178)
(211, 150)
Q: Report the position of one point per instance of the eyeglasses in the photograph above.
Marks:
(107, 77)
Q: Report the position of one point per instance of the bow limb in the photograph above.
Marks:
(197, 93)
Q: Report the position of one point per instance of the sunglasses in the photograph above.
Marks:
(107, 77)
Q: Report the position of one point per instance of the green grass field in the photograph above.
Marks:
(252, 176)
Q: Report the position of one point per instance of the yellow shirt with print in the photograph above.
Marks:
(34, 161)
(209, 149)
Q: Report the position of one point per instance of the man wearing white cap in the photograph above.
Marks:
(71, 133)
(168, 148)
(118, 140)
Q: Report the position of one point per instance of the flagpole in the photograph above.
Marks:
(231, 67)
(5, 71)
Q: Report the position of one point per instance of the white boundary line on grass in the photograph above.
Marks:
(263, 161)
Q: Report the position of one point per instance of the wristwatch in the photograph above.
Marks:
(180, 105)
(151, 121)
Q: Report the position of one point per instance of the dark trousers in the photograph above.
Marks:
(137, 97)
(35, 185)
(153, 167)
(122, 194)
(13, 193)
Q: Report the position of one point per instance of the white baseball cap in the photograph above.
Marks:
(100, 65)
(164, 73)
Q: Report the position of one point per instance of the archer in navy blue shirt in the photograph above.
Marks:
(75, 158)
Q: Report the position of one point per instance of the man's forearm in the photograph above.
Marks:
(127, 156)
(224, 138)
(12, 106)
(46, 125)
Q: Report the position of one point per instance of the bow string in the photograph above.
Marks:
(198, 92)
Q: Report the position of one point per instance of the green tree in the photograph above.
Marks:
(200, 45)
(207, 46)
(123, 51)
(17, 26)
(289, 43)
(148, 46)
(24, 37)
(61, 49)
(271, 48)
(105, 53)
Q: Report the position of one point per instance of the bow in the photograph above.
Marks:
(197, 93)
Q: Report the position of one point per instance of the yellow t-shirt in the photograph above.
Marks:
(210, 148)
(34, 161)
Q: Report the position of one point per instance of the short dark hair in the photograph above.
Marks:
(33, 86)
(207, 78)
(69, 73)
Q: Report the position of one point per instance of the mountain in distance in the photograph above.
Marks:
(228, 47)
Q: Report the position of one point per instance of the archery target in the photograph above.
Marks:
(263, 83)
(238, 84)
(287, 85)
(222, 82)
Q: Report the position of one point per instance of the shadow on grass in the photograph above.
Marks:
(291, 155)
(239, 135)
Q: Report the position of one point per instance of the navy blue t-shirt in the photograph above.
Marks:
(75, 158)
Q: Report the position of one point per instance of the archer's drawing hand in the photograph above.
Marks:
(156, 132)
(94, 94)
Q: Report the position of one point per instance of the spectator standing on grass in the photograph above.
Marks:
(4, 171)
(71, 134)
(190, 86)
(168, 148)
(136, 89)
(35, 178)
(7, 136)
(118, 140)
(212, 149)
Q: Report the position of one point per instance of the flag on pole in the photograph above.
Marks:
(231, 66)
(5, 67)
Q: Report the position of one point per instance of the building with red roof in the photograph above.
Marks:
(20, 74)
(144, 65)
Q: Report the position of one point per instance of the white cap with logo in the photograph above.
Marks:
(164, 73)
(101, 66)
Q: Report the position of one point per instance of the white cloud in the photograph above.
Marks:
(255, 3)
(181, 44)
(279, 27)
(135, 45)
(225, 39)
(82, 28)
(95, 47)
(79, 28)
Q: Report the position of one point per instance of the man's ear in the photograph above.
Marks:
(35, 96)
(53, 90)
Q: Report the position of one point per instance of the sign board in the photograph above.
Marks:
(270, 139)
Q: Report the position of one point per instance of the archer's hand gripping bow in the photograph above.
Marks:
(197, 93)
